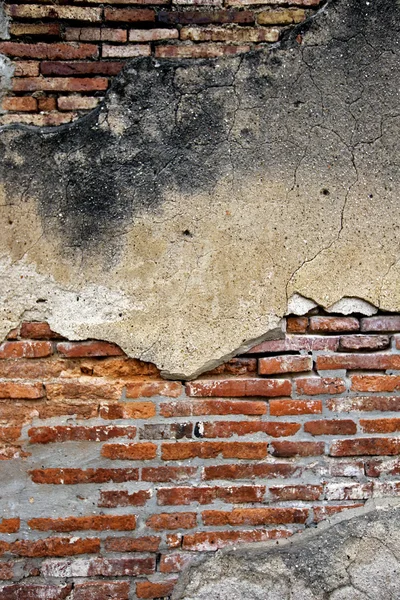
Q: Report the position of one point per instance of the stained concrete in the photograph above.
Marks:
(355, 557)
(181, 217)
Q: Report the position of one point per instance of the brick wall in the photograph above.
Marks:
(113, 479)
(66, 53)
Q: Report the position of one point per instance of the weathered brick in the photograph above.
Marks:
(166, 431)
(359, 361)
(168, 474)
(42, 29)
(152, 35)
(56, 51)
(64, 546)
(331, 427)
(284, 364)
(10, 525)
(84, 389)
(314, 386)
(206, 541)
(380, 324)
(295, 343)
(147, 389)
(324, 512)
(211, 407)
(127, 51)
(94, 34)
(239, 387)
(296, 492)
(14, 389)
(69, 69)
(6, 571)
(149, 589)
(130, 15)
(382, 466)
(73, 476)
(205, 17)
(39, 120)
(94, 522)
(128, 410)
(79, 408)
(365, 446)
(54, 11)
(102, 590)
(348, 491)
(364, 342)
(235, 366)
(77, 103)
(17, 104)
(207, 495)
(141, 451)
(205, 50)
(333, 324)
(185, 450)
(293, 324)
(364, 403)
(292, 2)
(255, 516)
(97, 566)
(46, 104)
(60, 84)
(222, 34)
(10, 434)
(32, 591)
(256, 471)
(180, 520)
(375, 383)
(25, 68)
(218, 429)
(288, 449)
(64, 433)
(113, 499)
(91, 348)
(26, 349)
(282, 16)
(173, 563)
(294, 407)
(380, 425)
(127, 544)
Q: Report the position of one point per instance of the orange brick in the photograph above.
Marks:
(255, 471)
(55, 547)
(78, 103)
(359, 361)
(331, 427)
(114, 499)
(85, 349)
(218, 429)
(97, 523)
(143, 451)
(84, 389)
(333, 324)
(213, 540)
(365, 446)
(296, 324)
(284, 364)
(324, 512)
(279, 408)
(10, 525)
(64, 433)
(71, 476)
(239, 387)
(13, 389)
(212, 407)
(255, 516)
(380, 425)
(128, 410)
(375, 383)
(19, 104)
(206, 495)
(149, 589)
(46, 105)
(313, 386)
(185, 450)
(146, 389)
(364, 403)
(127, 544)
(180, 520)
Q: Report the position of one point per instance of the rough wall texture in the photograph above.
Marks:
(180, 218)
(114, 479)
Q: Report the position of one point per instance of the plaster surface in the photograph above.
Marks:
(181, 217)
(356, 557)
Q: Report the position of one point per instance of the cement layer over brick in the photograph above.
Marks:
(355, 558)
(180, 218)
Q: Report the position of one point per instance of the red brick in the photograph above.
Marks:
(73, 476)
(380, 425)
(42, 29)
(102, 590)
(36, 11)
(64, 433)
(126, 51)
(60, 84)
(46, 104)
(204, 17)
(84, 389)
(113, 499)
(94, 34)
(382, 466)
(18, 104)
(364, 342)
(85, 349)
(256, 471)
(223, 34)
(149, 589)
(13, 389)
(147, 389)
(30, 591)
(295, 343)
(64, 546)
(69, 69)
(152, 35)
(296, 492)
(173, 563)
(205, 50)
(77, 103)
(284, 364)
(375, 383)
(295, 324)
(167, 474)
(180, 520)
(56, 51)
(320, 385)
(128, 544)
(255, 516)
(25, 68)
(6, 571)
(240, 387)
(365, 446)
(294, 407)
(331, 427)
(10, 434)
(289, 449)
(211, 407)
(223, 429)
(285, 16)
(348, 491)
(359, 361)
(333, 324)
(130, 15)
(117, 368)
(26, 349)
(128, 410)
(37, 369)
(10, 525)
(214, 540)
(364, 403)
(235, 366)
(324, 512)
(381, 323)
(185, 450)
(141, 451)
(173, 540)
(94, 522)
(207, 495)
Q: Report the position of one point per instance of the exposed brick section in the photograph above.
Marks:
(333, 324)
(211, 541)
(284, 364)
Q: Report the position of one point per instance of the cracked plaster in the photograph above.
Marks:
(186, 216)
